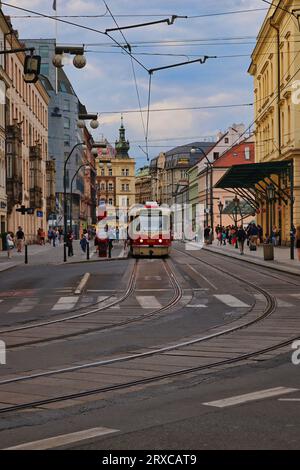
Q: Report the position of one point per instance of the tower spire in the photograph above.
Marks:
(122, 145)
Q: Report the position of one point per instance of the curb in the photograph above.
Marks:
(94, 261)
(274, 267)
(82, 284)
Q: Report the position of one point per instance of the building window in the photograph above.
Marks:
(110, 186)
(67, 140)
(216, 155)
(226, 140)
(110, 201)
(102, 186)
(102, 172)
(247, 153)
(110, 173)
(45, 69)
(44, 51)
(66, 123)
(66, 105)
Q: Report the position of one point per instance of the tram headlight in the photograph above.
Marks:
(160, 240)
(141, 241)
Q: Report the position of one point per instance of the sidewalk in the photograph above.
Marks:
(282, 261)
(43, 255)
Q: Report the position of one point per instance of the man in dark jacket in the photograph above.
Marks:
(241, 236)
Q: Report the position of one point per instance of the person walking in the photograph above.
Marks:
(10, 244)
(241, 237)
(20, 239)
(70, 243)
(297, 236)
(83, 243)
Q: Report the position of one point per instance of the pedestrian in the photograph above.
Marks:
(111, 237)
(83, 243)
(69, 243)
(224, 236)
(50, 235)
(10, 244)
(20, 239)
(241, 237)
(298, 241)
(42, 236)
(117, 234)
(207, 235)
(254, 233)
(55, 237)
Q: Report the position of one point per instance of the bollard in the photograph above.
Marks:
(65, 252)
(87, 251)
(26, 254)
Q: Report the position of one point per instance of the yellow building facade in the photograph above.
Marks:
(275, 68)
(116, 175)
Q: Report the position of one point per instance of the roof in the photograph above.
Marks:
(247, 176)
(185, 149)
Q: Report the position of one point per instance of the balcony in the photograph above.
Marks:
(14, 176)
(35, 192)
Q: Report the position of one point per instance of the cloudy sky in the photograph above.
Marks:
(107, 83)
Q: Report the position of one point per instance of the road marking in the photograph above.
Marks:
(297, 296)
(148, 301)
(282, 303)
(271, 392)
(203, 277)
(65, 303)
(82, 283)
(288, 399)
(148, 278)
(230, 300)
(24, 305)
(64, 439)
(196, 306)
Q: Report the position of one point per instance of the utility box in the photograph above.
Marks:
(268, 251)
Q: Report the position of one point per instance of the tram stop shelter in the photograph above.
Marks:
(269, 189)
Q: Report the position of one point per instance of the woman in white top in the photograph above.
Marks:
(9, 243)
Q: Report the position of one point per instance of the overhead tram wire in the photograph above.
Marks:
(133, 69)
(54, 18)
(206, 15)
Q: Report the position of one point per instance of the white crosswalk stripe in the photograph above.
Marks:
(148, 301)
(25, 305)
(230, 300)
(248, 397)
(65, 303)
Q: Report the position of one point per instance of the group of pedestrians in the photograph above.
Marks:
(55, 236)
(232, 235)
(15, 240)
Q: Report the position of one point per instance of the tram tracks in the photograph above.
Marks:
(40, 328)
(200, 354)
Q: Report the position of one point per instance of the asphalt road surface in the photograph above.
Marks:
(189, 353)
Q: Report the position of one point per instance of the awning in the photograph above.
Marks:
(247, 176)
(249, 181)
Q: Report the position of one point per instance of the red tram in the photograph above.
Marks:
(150, 230)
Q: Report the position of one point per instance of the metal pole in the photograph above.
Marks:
(211, 199)
(88, 251)
(26, 254)
(206, 197)
(292, 210)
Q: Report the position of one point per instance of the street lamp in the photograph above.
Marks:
(87, 166)
(271, 197)
(221, 207)
(236, 208)
(208, 167)
(79, 60)
(83, 117)
(65, 196)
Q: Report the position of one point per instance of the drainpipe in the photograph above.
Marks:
(278, 84)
